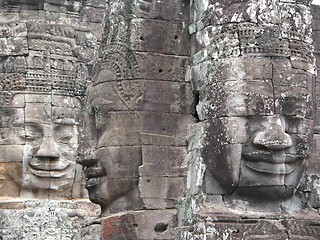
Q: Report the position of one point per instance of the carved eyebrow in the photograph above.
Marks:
(22, 121)
(18, 122)
(100, 102)
(296, 102)
(66, 121)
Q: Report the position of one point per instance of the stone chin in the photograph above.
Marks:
(55, 180)
(107, 192)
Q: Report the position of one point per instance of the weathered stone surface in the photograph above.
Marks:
(219, 224)
(43, 80)
(162, 67)
(170, 37)
(163, 161)
(44, 219)
(161, 192)
(142, 225)
(10, 179)
(119, 227)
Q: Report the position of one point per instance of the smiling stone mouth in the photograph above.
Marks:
(94, 175)
(54, 170)
(91, 182)
(271, 168)
(48, 173)
(271, 157)
(279, 163)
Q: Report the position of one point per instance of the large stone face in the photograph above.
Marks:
(249, 157)
(45, 50)
(253, 69)
(44, 56)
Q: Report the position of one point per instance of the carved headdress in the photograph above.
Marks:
(115, 61)
(12, 83)
(257, 31)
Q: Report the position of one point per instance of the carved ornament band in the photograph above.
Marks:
(65, 85)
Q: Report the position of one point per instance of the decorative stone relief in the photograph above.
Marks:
(43, 219)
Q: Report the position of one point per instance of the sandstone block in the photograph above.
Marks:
(10, 179)
(162, 161)
(166, 124)
(119, 227)
(123, 128)
(156, 224)
(161, 192)
(159, 36)
(161, 67)
(11, 153)
(172, 97)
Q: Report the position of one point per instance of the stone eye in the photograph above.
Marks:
(29, 133)
(63, 133)
(65, 136)
(91, 111)
(28, 136)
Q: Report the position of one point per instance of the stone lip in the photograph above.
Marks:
(274, 162)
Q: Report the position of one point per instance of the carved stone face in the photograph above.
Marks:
(46, 127)
(259, 139)
(111, 151)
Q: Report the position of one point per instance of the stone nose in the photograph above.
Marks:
(87, 158)
(48, 149)
(273, 135)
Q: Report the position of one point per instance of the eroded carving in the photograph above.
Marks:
(43, 130)
(255, 107)
(43, 65)
(111, 151)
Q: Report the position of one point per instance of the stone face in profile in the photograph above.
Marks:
(110, 149)
(113, 153)
(137, 108)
